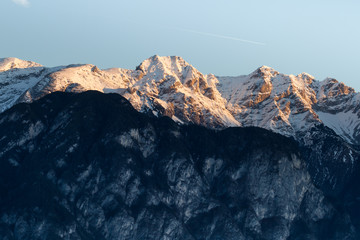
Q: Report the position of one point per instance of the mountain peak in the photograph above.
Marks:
(160, 66)
(167, 61)
(330, 80)
(13, 63)
(264, 67)
(264, 72)
(307, 78)
(306, 75)
(330, 87)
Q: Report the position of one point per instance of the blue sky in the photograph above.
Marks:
(221, 37)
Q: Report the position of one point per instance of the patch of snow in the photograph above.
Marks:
(351, 157)
(345, 124)
(142, 140)
(126, 140)
(148, 172)
(85, 174)
(32, 132)
(60, 163)
(72, 148)
(51, 176)
(13, 162)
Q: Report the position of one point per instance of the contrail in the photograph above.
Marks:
(222, 36)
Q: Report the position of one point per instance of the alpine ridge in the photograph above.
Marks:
(169, 86)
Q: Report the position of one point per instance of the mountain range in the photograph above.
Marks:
(286, 146)
(169, 86)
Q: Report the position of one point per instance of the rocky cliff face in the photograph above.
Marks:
(89, 166)
(292, 105)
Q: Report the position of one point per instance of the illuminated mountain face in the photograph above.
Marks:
(169, 86)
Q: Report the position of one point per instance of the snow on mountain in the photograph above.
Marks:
(271, 100)
(286, 104)
(291, 105)
(162, 85)
(79, 78)
(338, 107)
(13, 63)
(13, 83)
(170, 86)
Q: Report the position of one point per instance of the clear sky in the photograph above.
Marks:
(230, 37)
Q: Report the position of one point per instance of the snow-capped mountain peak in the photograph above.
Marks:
(172, 87)
(165, 65)
(331, 87)
(264, 72)
(306, 77)
(159, 68)
(13, 63)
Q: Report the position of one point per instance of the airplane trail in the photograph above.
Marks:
(221, 36)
